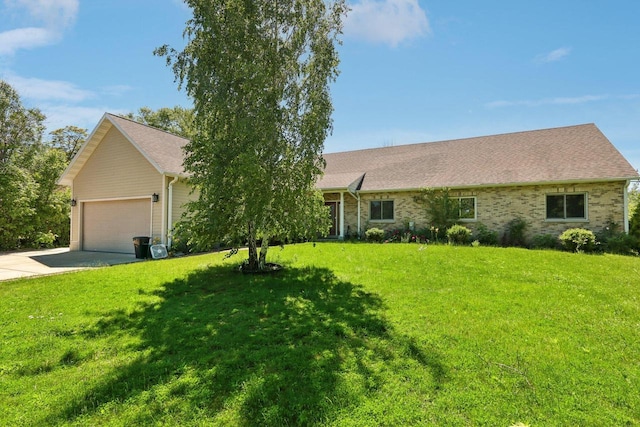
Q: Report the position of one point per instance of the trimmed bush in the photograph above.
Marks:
(458, 235)
(374, 235)
(578, 240)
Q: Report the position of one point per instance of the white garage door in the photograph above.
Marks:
(110, 226)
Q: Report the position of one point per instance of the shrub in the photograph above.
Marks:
(486, 236)
(394, 235)
(515, 235)
(46, 240)
(458, 235)
(578, 240)
(433, 234)
(181, 240)
(545, 241)
(374, 234)
(407, 237)
(442, 209)
(622, 244)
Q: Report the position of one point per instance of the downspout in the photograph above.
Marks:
(626, 206)
(170, 212)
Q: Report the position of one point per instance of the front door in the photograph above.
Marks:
(333, 214)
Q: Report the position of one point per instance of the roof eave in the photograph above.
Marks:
(509, 184)
(75, 165)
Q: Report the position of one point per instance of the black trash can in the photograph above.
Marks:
(141, 246)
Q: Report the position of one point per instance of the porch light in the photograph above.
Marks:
(155, 197)
(73, 202)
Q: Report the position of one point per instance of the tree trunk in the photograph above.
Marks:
(263, 253)
(253, 249)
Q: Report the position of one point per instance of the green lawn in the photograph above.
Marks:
(346, 335)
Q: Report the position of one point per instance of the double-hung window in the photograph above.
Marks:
(381, 210)
(567, 206)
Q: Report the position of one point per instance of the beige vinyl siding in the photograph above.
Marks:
(181, 195)
(115, 170)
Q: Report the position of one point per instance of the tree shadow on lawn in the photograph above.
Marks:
(289, 349)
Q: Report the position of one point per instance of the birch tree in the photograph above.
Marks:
(259, 74)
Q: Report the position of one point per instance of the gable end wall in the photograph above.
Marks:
(115, 170)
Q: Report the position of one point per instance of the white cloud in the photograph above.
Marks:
(54, 13)
(386, 21)
(51, 17)
(25, 38)
(47, 90)
(547, 101)
(553, 56)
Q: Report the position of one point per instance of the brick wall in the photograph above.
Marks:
(497, 206)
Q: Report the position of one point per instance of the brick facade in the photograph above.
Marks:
(496, 206)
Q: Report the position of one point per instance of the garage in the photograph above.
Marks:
(109, 226)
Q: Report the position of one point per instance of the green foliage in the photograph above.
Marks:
(634, 211)
(612, 240)
(32, 206)
(442, 210)
(516, 233)
(406, 235)
(20, 127)
(545, 241)
(69, 139)
(176, 120)
(46, 240)
(346, 335)
(578, 240)
(485, 236)
(458, 235)
(259, 73)
(622, 244)
(374, 235)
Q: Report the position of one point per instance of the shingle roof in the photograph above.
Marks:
(558, 155)
(163, 149)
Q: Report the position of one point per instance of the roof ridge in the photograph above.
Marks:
(146, 125)
(465, 139)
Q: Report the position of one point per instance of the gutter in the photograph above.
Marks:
(490, 185)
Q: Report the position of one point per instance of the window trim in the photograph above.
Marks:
(475, 208)
(381, 219)
(585, 196)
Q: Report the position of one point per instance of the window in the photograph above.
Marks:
(381, 210)
(467, 208)
(567, 206)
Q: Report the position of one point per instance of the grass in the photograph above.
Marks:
(347, 334)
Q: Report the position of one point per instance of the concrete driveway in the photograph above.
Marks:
(14, 265)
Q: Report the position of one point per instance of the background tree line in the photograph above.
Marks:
(34, 210)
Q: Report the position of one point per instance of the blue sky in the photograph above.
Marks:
(411, 70)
